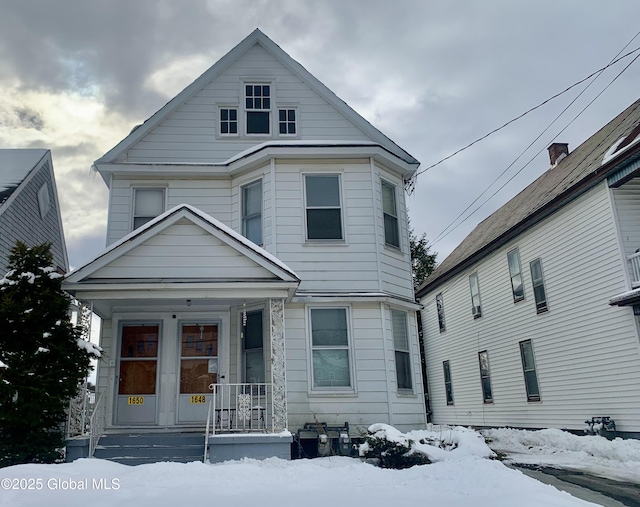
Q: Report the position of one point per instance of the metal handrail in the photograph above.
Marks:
(96, 424)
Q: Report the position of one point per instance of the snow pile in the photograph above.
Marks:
(438, 443)
(275, 482)
(610, 458)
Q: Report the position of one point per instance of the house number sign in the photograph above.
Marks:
(198, 399)
(135, 400)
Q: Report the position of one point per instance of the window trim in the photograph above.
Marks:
(219, 132)
(331, 241)
(312, 389)
(516, 252)
(44, 202)
(246, 110)
(397, 350)
(440, 311)
(295, 122)
(541, 306)
(244, 218)
(476, 310)
(446, 372)
(394, 189)
(530, 397)
(487, 377)
(133, 203)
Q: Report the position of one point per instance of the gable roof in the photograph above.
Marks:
(256, 37)
(161, 223)
(15, 166)
(590, 163)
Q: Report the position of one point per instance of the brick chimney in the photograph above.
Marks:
(557, 151)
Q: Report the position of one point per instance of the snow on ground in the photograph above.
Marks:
(616, 459)
(462, 476)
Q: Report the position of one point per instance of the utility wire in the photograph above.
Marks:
(529, 111)
(442, 235)
(597, 74)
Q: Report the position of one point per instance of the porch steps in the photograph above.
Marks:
(141, 448)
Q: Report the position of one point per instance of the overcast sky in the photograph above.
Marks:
(77, 75)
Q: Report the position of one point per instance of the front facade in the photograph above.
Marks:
(257, 254)
(29, 208)
(530, 321)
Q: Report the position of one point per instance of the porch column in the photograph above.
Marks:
(278, 376)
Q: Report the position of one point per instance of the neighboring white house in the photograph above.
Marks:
(531, 321)
(29, 209)
(257, 233)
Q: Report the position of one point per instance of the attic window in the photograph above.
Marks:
(43, 200)
(258, 108)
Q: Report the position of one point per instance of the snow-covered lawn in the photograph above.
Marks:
(616, 459)
(463, 476)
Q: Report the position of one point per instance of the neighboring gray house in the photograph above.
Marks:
(532, 321)
(258, 242)
(29, 208)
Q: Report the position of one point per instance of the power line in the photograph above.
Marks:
(529, 111)
(442, 235)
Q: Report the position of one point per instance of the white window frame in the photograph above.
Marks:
(442, 325)
(446, 368)
(44, 203)
(485, 376)
(343, 239)
(351, 389)
(229, 107)
(531, 397)
(295, 122)
(244, 218)
(133, 204)
(399, 350)
(246, 110)
(541, 306)
(476, 303)
(394, 216)
(512, 274)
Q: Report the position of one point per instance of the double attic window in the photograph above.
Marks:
(256, 114)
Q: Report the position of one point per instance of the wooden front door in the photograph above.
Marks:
(138, 372)
(198, 370)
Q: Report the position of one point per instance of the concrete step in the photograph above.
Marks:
(136, 448)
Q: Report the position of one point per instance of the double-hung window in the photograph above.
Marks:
(517, 287)
(148, 203)
(258, 108)
(529, 369)
(448, 385)
(537, 279)
(253, 348)
(485, 378)
(440, 310)
(323, 209)
(252, 212)
(476, 307)
(330, 348)
(401, 345)
(390, 214)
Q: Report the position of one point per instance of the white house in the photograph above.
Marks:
(257, 241)
(532, 320)
(29, 208)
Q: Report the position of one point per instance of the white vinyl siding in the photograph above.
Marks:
(586, 352)
(186, 134)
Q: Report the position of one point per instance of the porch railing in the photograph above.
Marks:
(96, 423)
(241, 408)
(634, 261)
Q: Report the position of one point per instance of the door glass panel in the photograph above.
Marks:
(138, 360)
(199, 361)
